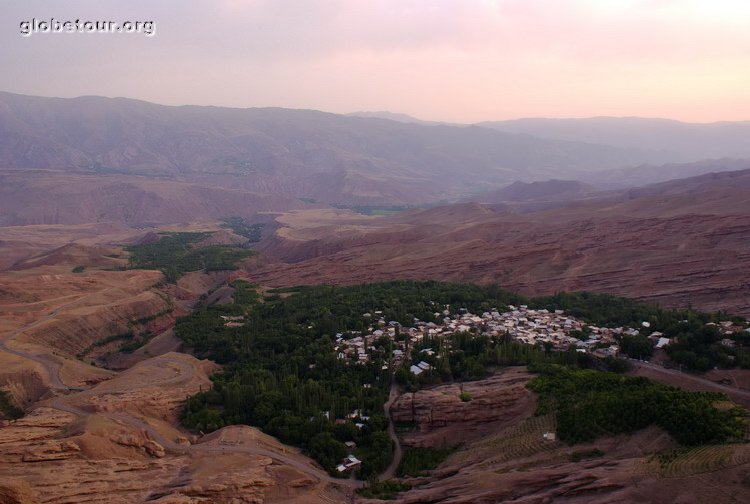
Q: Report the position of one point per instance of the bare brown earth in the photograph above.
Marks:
(55, 197)
(94, 435)
(679, 250)
(120, 446)
(32, 243)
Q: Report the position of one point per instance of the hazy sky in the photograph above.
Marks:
(451, 60)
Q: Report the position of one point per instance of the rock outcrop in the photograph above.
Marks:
(441, 417)
(15, 491)
(127, 453)
(52, 450)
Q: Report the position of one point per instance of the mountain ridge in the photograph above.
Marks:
(687, 141)
(297, 153)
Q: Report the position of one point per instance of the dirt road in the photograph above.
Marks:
(390, 471)
(688, 381)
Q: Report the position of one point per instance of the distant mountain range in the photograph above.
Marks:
(682, 142)
(60, 155)
(398, 117)
(540, 195)
(296, 153)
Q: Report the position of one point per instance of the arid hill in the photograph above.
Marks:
(92, 434)
(522, 197)
(536, 191)
(54, 197)
(686, 246)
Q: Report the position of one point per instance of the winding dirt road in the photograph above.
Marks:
(675, 377)
(52, 367)
(390, 471)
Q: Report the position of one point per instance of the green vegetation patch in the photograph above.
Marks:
(175, 254)
(417, 461)
(699, 347)
(242, 227)
(283, 375)
(245, 293)
(127, 336)
(134, 344)
(8, 410)
(385, 490)
(588, 404)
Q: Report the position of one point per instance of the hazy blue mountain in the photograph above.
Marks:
(649, 174)
(681, 141)
(300, 153)
(398, 117)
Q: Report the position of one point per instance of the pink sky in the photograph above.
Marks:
(450, 60)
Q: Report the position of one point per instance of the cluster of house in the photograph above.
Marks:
(233, 320)
(526, 325)
(727, 328)
(530, 326)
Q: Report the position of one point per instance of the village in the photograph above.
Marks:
(553, 329)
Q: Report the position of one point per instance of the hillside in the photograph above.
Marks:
(299, 153)
(680, 248)
(620, 178)
(531, 196)
(55, 197)
(684, 141)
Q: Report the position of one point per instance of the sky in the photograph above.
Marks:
(446, 60)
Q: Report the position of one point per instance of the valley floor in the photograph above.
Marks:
(97, 435)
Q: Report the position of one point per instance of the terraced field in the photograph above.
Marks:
(687, 462)
(520, 441)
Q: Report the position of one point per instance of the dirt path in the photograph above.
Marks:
(50, 365)
(688, 381)
(398, 454)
